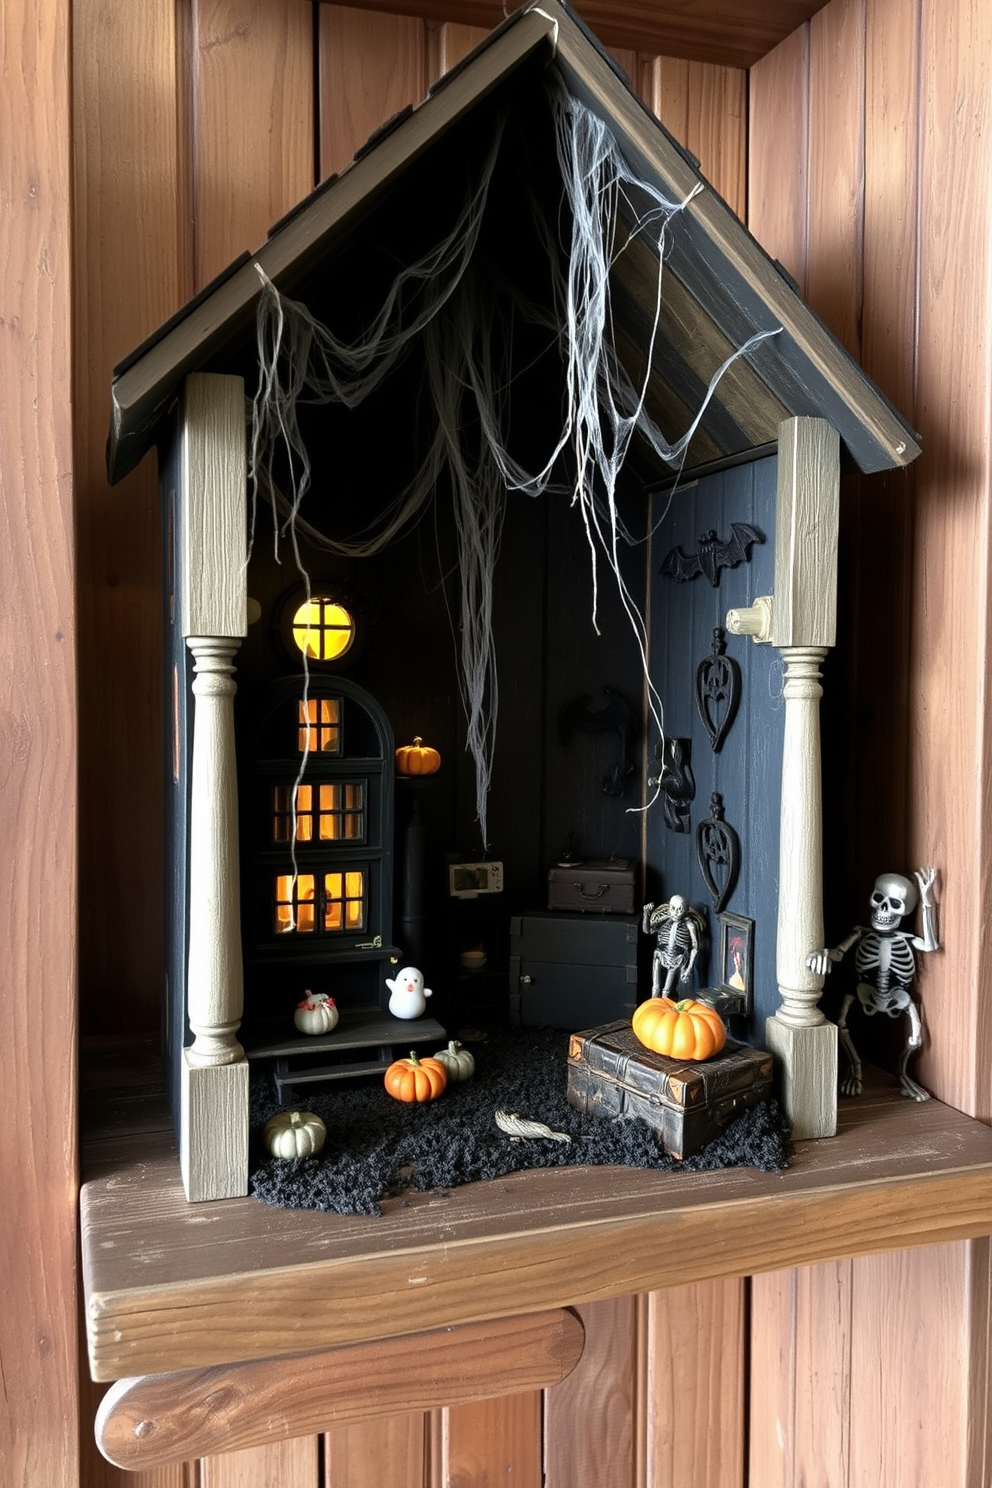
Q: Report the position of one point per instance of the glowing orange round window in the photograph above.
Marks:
(323, 629)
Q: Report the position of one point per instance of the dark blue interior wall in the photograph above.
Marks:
(747, 770)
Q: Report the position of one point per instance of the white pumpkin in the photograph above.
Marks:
(458, 1061)
(317, 1013)
(294, 1134)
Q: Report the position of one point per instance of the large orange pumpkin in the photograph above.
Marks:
(416, 1079)
(683, 1030)
(417, 758)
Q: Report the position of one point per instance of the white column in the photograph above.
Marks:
(799, 1034)
(215, 983)
(212, 596)
(800, 621)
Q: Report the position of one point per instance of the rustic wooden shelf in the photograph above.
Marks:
(171, 1285)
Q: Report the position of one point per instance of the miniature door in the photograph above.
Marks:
(317, 840)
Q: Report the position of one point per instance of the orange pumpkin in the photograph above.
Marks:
(416, 1079)
(417, 758)
(683, 1030)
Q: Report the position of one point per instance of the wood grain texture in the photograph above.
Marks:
(835, 217)
(778, 164)
(804, 612)
(213, 507)
(369, 1454)
(708, 30)
(717, 129)
(286, 1464)
(39, 1430)
(800, 1373)
(253, 112)
(448, 43)
(370, 67)
(173, 1286)
(910, 1402)
(589, 1419)
(695, 1385)
(129, 276)
(161, 1418)
(950, 747)
(488, 1443)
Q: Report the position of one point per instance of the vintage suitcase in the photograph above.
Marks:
(610, 1073)
(600, 885)
(572, 971)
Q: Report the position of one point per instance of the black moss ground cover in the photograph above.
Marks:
(377, 1147)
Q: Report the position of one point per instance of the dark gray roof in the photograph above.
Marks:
(720, 287)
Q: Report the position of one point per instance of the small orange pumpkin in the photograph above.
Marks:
(682, 1030)
(417, 758)
(416, 1079)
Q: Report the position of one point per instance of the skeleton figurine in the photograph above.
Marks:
(677, 927)
(886, 967)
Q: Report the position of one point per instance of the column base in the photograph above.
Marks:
(213, 1145)
(807, 1062)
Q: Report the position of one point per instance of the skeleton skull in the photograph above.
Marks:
(893, 897)
(677, 906)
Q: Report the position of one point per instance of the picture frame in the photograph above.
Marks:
(737, 957)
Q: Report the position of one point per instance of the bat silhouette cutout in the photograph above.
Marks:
(714, 554)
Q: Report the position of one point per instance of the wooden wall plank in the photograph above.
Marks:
(370, 67)
(664, 86)
(589, 1419)
(835, 215)
(488, 1442)
(390, 1451)
(448, 43)
(285, 1464)
(694, 1386)
(706, 30)
(950, 743)
(705, 108)
(253, 113)
(777, 153)
(39, 1421)
(129, 226)
(717, 129)
(909, 1421)
(772, 1379)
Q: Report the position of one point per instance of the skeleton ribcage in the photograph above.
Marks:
(894, 953)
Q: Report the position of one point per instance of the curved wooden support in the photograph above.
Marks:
(165, 1418)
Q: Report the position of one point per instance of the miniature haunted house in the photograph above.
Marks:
(518, 377)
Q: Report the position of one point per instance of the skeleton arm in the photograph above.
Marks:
(690, 925)
(925, 878)
(822, 961)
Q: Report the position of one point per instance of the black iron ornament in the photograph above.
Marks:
(676, 782)
(718, 690)
(714, 553)
(718, 853)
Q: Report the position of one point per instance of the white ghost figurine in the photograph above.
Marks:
(409, 995)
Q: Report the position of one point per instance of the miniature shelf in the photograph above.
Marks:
(171, 1285)
(377, 1036)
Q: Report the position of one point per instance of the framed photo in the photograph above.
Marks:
(737, 956)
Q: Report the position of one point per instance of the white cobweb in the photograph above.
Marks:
(447, 300)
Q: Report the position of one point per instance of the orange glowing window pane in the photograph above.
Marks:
(282, 813)
(319, 729)
(344, 900)
(294, 906)
(323, 629)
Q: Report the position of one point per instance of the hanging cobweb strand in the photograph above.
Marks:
(605, 408)
(303, 361)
